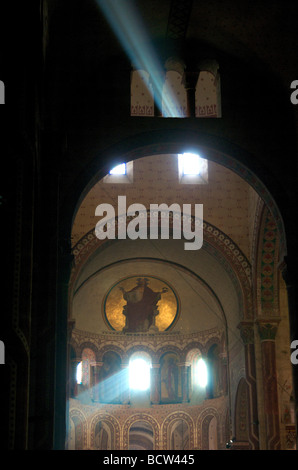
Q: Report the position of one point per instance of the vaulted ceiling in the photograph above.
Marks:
(229, 202)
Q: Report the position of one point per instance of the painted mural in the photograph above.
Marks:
(141, 304)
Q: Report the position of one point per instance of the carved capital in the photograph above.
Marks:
(267, 329)
(247, 332)
(155, 366)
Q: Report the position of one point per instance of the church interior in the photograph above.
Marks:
(126, 335)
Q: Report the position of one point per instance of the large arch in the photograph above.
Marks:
(214, 237)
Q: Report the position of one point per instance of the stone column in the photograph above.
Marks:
(94, 380)
(184, 369)
(267, 331)
(291, 279)
(125, 396)
(190, 79)
(223, 373)
(247, 335)
(155, 384)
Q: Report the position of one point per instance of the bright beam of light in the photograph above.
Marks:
(139, 375)
(110, 389)
(202, 375)
(130, 31)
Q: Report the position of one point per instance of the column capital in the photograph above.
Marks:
(247, 332)
(183, 364)
(267, 328)
(124, 365)
(96, 363)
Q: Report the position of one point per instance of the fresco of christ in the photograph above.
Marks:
(141, 306)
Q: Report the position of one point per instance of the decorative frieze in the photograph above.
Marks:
(124, 343)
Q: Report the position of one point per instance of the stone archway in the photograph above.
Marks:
(203, 423)
(150, 422)
(227, 252)
(113, 428)
(170, 422)
(78, 438)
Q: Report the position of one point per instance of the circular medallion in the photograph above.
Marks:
(141, 303)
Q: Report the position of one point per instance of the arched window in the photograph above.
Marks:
(199, 376)
(83, 367)
(79, 373)
(139, 372)
(171, 94)
(201, 373)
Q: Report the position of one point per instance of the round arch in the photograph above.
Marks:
(202, 425)
(140, 417)
(80, 429)
(168, 423)
(111, 422)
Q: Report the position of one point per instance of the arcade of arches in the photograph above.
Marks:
(225, 303)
